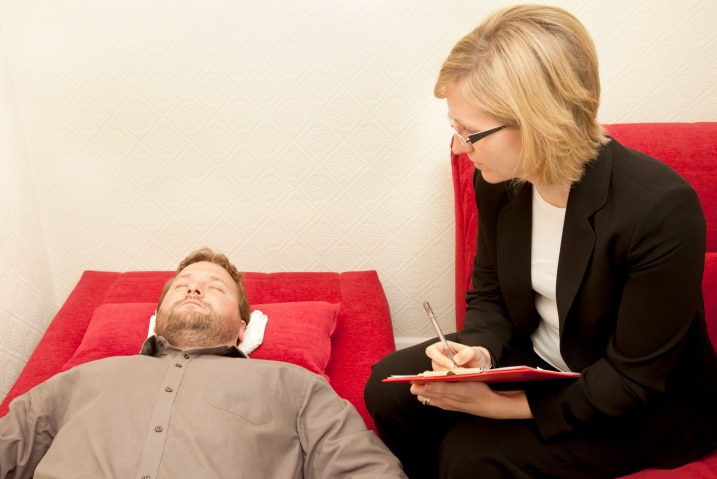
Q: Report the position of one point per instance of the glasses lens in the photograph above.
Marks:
(456, 132)
(460, 137)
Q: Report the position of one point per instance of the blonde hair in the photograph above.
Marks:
(533, 67)
(206, 254)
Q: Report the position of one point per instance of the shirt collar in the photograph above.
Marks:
(158, 346)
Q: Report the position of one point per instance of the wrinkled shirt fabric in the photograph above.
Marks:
(168, 414)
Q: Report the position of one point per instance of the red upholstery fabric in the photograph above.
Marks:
(691, 149)
(299, 332)
(466, 210)
(116, 329)
(362, 336)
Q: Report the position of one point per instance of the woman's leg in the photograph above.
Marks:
(432, 443)
(411, 430)
(498, 449)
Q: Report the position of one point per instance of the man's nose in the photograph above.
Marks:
(195, 289)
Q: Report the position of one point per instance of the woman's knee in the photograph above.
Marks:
(378, 394)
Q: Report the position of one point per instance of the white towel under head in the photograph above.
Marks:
(254, 332)
(253, 335)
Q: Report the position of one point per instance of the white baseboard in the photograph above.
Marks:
(406, 342)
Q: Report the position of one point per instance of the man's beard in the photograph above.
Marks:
(192, 328)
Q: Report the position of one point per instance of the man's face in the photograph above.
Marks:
(201, 308)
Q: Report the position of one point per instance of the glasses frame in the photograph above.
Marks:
(473, 137)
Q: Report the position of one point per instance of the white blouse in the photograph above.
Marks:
(547, 231)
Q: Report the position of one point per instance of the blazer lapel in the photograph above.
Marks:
(513, 252)
(578, 241)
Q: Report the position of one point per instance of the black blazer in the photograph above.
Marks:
(629, 301)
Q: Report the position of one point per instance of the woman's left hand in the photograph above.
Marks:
(475, 398)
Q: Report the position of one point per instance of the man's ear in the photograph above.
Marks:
(242, 329)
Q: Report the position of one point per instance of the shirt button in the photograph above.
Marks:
(186, 356)
(178, 365)
(169, 389)
(146, 476)
(158, 429)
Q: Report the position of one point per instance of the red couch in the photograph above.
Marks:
(337, 324)
(691, 149)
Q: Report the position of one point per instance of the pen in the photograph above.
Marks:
(432, 317)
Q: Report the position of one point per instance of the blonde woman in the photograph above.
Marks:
(590, 258)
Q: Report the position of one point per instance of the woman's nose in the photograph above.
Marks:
(457, 146)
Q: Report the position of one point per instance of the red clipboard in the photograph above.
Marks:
(507, 374)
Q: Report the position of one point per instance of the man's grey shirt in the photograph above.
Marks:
(168, 414)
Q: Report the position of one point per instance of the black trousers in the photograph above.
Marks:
(434, 443)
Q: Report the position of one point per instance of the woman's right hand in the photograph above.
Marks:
(465, 356)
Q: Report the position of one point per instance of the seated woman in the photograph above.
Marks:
(589, 259)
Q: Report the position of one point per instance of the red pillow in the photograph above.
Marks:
(116, 329)
(297, 332)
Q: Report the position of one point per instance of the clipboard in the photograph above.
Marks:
(508, 374)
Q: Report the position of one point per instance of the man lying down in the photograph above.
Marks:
(190, 404)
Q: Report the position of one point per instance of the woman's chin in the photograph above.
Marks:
(490, 178)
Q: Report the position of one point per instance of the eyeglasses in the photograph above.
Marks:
(473, 137)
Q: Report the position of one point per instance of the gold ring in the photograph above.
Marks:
(426, 401)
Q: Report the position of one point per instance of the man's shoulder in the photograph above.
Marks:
(106, 362)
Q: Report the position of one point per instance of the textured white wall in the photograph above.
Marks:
(294, 136)
(28, 298)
